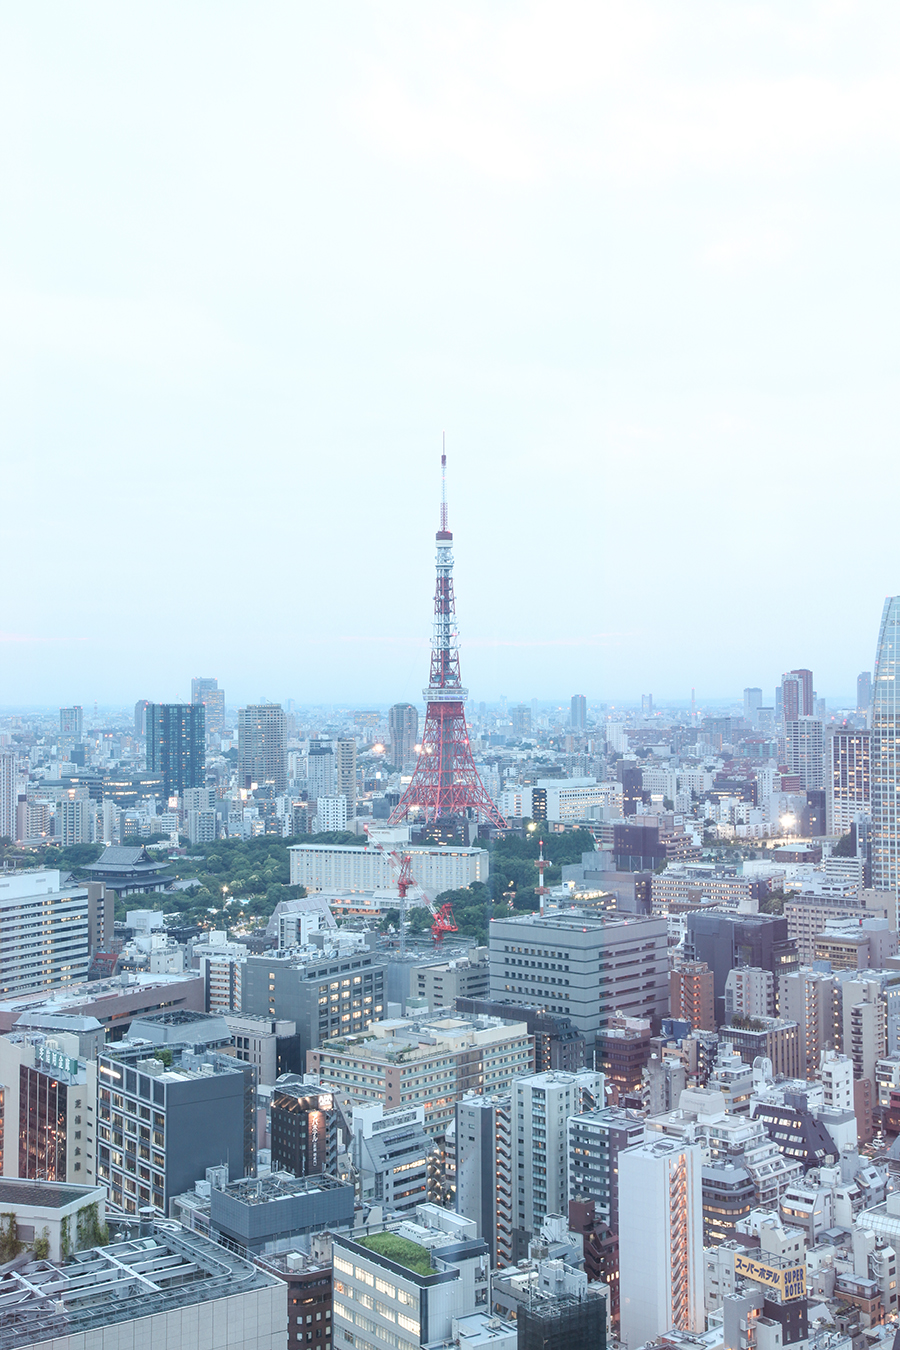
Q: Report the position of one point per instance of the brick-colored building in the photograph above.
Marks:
(691, 995)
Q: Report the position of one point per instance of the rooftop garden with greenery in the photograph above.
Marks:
(400, 1250)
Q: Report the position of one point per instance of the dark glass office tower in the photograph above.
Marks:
(176, 745)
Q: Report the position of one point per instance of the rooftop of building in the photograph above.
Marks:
(141, 1055)
(61, 997)
(410, 1038)
(180, 1025)
(280, 1186)
(573, 921)
(42, 1194)
(161, 1271)
(400, 1250)
(37, 1020)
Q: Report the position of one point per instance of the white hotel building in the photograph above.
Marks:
(345, 867)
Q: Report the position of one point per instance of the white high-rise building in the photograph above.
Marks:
(43, 932)
(320, 769)
(331, 814)
(660, 1240)
(541, 1106)
(885, 752)
(836, 1073)
(804, 748)
(76, 820)
(201, 826)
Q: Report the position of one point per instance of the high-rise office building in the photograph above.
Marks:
(863, 692)
(180, 1122)
(176, 745)
(885, 753)
(804, 750)
(201, 685)
(848, 778)
(49, 1096)
(205, 690)
(797, 699)
(584, 965)
(520, 716)
(578, 714)
(403, 731)
(660, 1240)
(262, 747)
(752, 704)
(8, 795)
(724, 941)
(647, 705)
(71, 723)
(320, 770)
(140, 717)
(345, 772)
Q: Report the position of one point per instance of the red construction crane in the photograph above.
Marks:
(442, 920)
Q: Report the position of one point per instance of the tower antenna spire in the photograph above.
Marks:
(443, 480)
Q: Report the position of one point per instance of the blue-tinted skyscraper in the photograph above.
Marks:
(176, 745)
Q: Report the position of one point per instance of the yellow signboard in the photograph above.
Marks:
(788, 1281)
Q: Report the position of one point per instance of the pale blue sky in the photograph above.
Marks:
(638, 260)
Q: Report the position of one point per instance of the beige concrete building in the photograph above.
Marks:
(423, 1062)
(812, 999)
(808, 915)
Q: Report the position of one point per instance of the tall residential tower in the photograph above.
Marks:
(885, 752)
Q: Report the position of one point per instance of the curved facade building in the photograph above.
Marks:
(885, 752)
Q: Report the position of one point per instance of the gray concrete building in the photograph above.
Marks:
(595, 1140)
(442, 982)
(323, 995)
(484, 1170)
(159, 1127)
(390, 1153)
(262, 1214)
(586, 966)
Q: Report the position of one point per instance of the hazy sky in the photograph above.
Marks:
(638, 260)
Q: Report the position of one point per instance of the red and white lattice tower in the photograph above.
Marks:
(445, 783)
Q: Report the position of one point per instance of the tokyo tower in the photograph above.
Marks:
(445, 784)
